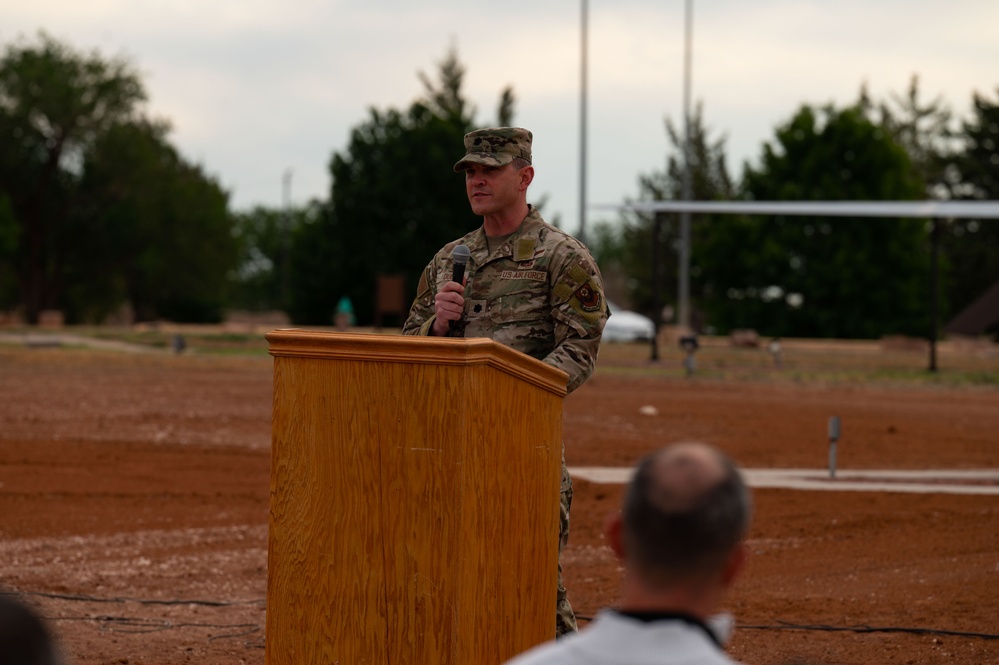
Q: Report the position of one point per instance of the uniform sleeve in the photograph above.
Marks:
(580, 311)
(421, 312)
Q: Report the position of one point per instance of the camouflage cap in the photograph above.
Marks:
(495, 146)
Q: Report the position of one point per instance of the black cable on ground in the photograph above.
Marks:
(786, 625)
(123, 624)
(123, 599)
(138, 625)
(781, 625)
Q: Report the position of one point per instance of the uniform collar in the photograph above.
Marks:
(520, 244)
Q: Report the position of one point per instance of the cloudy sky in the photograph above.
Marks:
(257, 88)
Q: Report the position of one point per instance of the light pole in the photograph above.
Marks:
(286, 243)
(683, 281)
(582, 124)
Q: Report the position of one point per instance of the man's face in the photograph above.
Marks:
(492, 189)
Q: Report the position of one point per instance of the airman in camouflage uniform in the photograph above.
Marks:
(528, 285)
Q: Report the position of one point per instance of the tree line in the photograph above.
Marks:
(824, 276)
(97, 208)
(99, 211)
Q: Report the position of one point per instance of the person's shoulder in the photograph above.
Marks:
(552, 236)
(472, 240)
(549, 653)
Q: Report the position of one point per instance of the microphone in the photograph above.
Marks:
(459, 259)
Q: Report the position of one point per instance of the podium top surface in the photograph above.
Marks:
(297, 343)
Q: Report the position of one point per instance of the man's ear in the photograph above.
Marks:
(735, 564)
(526, 177)
(613, 534)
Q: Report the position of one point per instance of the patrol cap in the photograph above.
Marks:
(495, 146)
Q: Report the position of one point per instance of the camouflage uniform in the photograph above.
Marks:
(540, 293)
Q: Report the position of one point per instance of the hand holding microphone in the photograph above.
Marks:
(459, 256)
(449, 303)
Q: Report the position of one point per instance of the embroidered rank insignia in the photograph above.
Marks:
(588, 297)
(524, 249)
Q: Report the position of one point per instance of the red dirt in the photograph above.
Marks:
(134, 490)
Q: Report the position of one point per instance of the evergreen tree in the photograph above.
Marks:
(924, 130)
(821, 276)
(154, 230)
(630, 247)
(395, 200)
(54, 103)
(972, 246)
(264, 236)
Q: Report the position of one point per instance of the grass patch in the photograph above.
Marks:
(803, 362)
(813, 362)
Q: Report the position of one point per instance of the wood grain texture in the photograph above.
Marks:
(414, 504)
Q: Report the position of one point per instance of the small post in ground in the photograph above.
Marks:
(833, 438)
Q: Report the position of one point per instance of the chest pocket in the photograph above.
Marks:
(507, 296)
(519, 296)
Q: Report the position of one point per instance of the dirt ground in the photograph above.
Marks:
(134, 490)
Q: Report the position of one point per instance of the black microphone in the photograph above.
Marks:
(459, 258)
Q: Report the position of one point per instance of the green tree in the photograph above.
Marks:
(8, 245)
(820, 276)
(606, 243)
(954, 162)
(395, 200)
(978, 163)
(54, 103)
(505, 111)
(261, 280)
(925, 132)
(627, 247)
(155, 230)
(972, 246)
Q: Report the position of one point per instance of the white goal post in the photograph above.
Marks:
(931, 210)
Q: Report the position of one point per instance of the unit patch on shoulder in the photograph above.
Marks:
(423, 288)
(588, 297)
(579, 275)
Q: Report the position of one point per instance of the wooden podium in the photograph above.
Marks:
(414, 500)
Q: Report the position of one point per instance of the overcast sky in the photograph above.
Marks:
(254, 88)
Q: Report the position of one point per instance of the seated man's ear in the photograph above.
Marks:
(736, 563)
(614, 535)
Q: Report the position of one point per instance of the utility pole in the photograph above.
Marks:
(582, 124)
(934, 290)
(657, 305)
(683, 281)
(286, 244)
